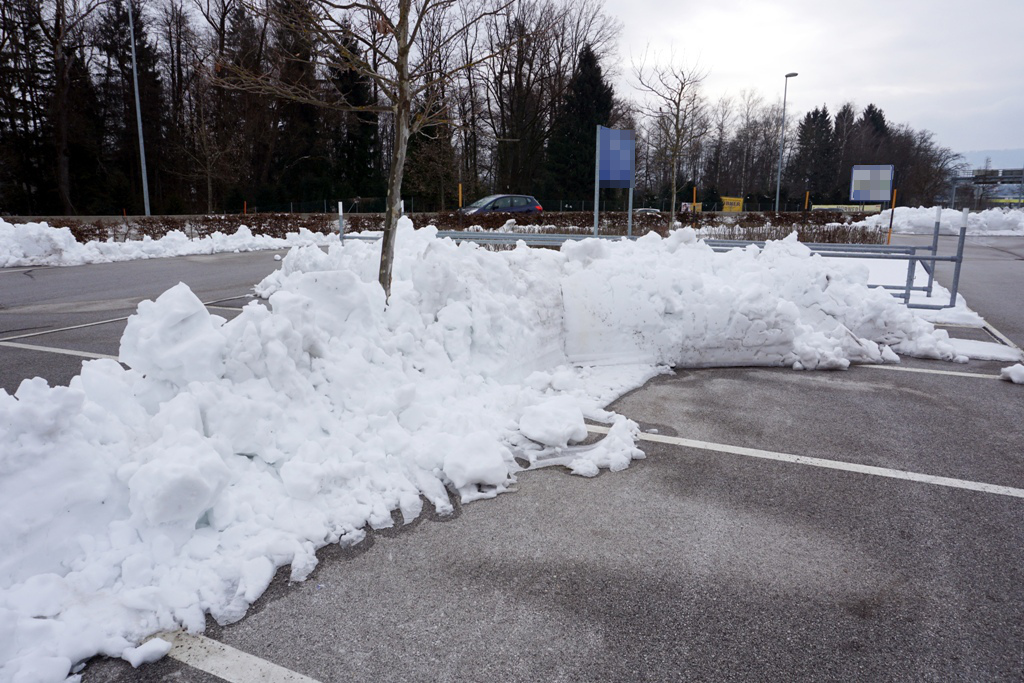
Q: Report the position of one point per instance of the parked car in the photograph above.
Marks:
(646, 212)
(506, 203)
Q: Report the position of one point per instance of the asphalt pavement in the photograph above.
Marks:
(694, 563)
(82, 309)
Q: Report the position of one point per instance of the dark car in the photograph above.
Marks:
(505, 203)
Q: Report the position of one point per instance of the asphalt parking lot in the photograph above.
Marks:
(759, 561)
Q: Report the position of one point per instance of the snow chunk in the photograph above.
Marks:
(148, 652)
(174, 338)
(554, 422)
(478, 466)
(179, 483)
(1014, 373)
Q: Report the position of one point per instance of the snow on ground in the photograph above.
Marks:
(38, 244)
(921, 221)
(985, 350)
(135, 501)
(1014, 373)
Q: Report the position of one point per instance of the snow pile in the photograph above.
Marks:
(676, 302)
(137, 501)
(1014, 373)
(921, 221)
(38, 244)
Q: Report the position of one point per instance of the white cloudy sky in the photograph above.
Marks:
(954, 68)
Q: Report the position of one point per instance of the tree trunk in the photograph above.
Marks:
(675, 174)
(62, 84)
(209, 190)
(403, 113)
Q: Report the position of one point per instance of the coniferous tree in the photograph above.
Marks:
(300, 164)
(845, 140)
(358, 152)
(26, 85)
(587, 104)
(872, 136)
(812, 166)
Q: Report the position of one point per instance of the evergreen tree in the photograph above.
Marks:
(246, 121)
(587, 104)
(873, 136)
(26, 86)
(812, 167)
(300, 167)
(356, 134)
(845, 140)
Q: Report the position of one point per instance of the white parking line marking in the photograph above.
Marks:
(827, 464)
(227, 663)
(1000, 336)
(926, 371)
(63, 329)
(50, 349)
(99, 322)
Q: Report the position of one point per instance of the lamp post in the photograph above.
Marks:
(138, 112)
(782, 140)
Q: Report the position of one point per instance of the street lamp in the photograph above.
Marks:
(782, 141)
(138, 112)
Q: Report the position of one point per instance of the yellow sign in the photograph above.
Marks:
(732, 204)
(697, 208)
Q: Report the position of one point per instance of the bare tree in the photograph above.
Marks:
(397, 45)
(675, 102)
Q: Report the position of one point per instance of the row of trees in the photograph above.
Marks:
(273, 101)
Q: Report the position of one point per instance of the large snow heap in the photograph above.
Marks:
(137, 500)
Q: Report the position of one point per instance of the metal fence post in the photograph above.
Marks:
(935, 249)
(959, 259)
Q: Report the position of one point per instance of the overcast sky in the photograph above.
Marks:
(955, 68)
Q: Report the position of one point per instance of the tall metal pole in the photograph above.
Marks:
(597, 177)
(782, 140)
(138, 111)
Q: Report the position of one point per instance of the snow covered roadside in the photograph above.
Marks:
(38, 244)
(136, 501)
(921, 221)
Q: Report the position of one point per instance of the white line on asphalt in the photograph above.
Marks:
(236, 309)
(827, 464)
(897, 368)
(228, 663)
(50, 349)
(1000, 336)
(63, 329)
(98, 322)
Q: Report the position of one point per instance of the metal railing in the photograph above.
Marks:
(927, 256)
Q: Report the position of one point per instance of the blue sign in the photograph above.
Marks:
(617, 157)
(871, 183)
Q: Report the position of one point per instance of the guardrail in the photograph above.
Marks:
(928, 256)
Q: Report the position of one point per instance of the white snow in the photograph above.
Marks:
(921, 221)
(1014, 373)
(135, 501)
(38, 244)
(150, 651)
(984, 350)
